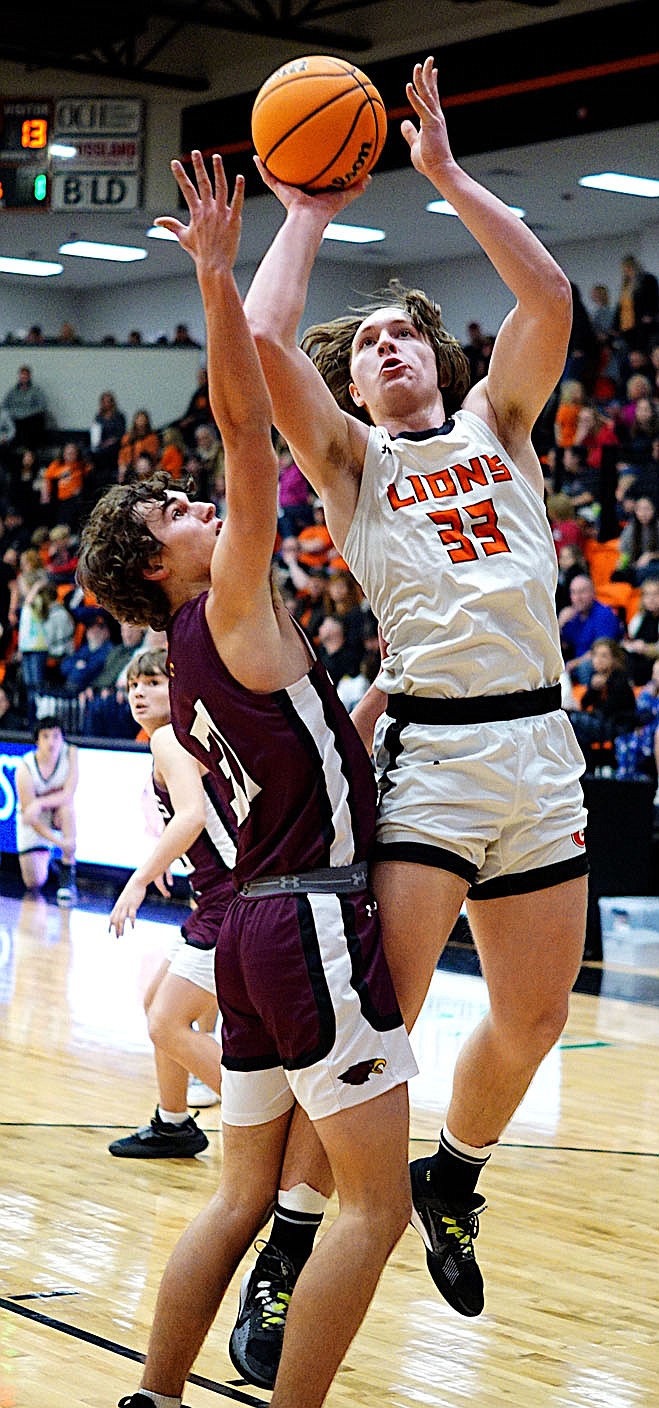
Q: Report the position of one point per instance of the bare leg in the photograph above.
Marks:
(175, 1005)
(305, 1160)
(338, 1282)
(207, 1020)
(65, 821)
(206, 1256)
(418, 909)
(538, 937)
(34, 869)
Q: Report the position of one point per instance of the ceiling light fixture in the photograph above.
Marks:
(443, 207)
(158, 232)
(352, 234)
(90, 249)
(621, 183)
(37, 268)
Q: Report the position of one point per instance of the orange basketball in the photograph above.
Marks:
(319, 123)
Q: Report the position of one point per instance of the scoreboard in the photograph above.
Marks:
(78, 153)
(25, 132)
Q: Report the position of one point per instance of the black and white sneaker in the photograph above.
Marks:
(159, 1140)
(257, 1337)
(138, 1400)
(449, 1232)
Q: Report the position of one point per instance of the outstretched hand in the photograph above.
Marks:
(213, 235)
(429, 144)
(324, 204)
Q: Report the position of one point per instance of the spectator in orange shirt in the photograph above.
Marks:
(571, 400)
(63, 481)
(140, 439)
(172, 458)
(315, 547)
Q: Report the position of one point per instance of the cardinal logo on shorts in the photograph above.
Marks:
(359, 1073)
(579, 838)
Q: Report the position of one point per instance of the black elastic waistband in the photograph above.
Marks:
(332, 880)
(484, 709)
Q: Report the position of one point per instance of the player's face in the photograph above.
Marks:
(148, 698)
(392, 364)
(187, 530)
(49, 742)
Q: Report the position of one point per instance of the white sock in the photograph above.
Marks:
(172, 1117)
(302, 1198)
(160, 1400)
(470, 1152)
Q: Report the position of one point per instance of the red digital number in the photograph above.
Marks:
(34, 133)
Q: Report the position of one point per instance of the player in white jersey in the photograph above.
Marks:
(46, 780)
(433, 494)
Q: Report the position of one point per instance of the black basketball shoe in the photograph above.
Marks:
(138, 1400)
(159, 1140)
(449, 1232)
(258, 1334)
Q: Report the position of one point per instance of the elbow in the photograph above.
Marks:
(561, 297)
(269, 345)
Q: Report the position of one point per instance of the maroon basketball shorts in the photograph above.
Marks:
(308, 1006)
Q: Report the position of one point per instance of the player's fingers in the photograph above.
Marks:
(264, 173)
(185, 185)
(238, 198)
(220, 180)
(167, 222)
(203, 179)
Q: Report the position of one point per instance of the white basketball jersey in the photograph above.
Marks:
(453, 549)
(43, 785)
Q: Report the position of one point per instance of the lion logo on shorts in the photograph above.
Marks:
(360, 1072)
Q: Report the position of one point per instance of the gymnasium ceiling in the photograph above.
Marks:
(529, 141)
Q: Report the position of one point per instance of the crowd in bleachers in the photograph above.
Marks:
(598, 442)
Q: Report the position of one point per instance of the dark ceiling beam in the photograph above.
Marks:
(36, 60)
(269, 26)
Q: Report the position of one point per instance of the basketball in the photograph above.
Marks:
(319, 123)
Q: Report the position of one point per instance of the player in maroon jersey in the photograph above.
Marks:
(309, 1011)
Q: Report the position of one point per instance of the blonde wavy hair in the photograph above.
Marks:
(329, 346)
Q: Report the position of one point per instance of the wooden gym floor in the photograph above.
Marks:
(569, 1247)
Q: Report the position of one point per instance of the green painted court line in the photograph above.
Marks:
(579, 1046)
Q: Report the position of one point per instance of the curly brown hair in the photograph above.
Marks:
(116, 546)
(329, 346)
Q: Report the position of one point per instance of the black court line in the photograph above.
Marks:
(122, 1350)
(55, 1124)
(44, 1295)
(414, 1139)
(558, 1148)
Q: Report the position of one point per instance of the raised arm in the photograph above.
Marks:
(328, 444)
(238, 394)
(530, 349)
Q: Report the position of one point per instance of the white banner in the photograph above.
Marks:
(98, 154)
(90, 117)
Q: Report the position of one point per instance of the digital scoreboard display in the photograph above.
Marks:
(25, 132)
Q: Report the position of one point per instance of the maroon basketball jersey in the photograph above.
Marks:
(209, 863)
(289, 764)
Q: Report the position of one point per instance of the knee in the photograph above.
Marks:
(534, 1030)
(385, 1221)
(160, 1026)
